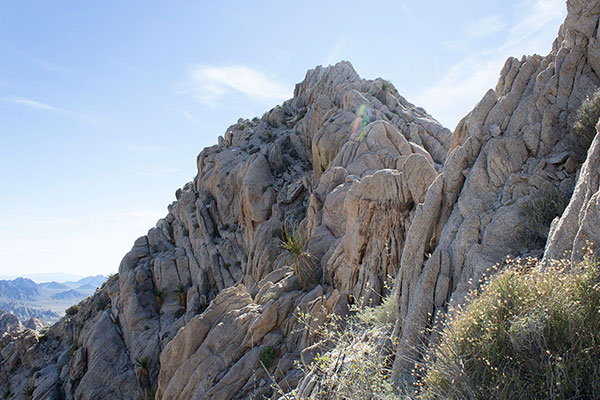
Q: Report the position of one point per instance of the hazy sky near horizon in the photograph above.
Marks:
(104, 106)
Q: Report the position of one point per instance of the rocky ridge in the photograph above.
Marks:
(385, 194)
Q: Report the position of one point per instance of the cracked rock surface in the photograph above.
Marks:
(392, 203)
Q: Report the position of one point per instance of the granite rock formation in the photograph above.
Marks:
(392, 203)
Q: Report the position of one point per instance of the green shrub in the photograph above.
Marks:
(300, 115)
(538, 215)
(28, 392)
(533, 332)
(146, 394)
(584, 128)
(267, 356)
(295, 243)
(74, 309)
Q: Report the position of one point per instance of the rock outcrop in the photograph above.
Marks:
(512, 147)
(392, 203)
(578, 229)
(9, 323)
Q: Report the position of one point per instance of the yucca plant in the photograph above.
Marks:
(181, 291)
(142, 365)
(295, 243)
(159, 295)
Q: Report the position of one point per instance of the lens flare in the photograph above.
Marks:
(360, 122)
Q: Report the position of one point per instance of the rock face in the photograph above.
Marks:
(24, 312)
(579, 227)
(34, 324)
(205, 305)
(9, 323)
(502, 155)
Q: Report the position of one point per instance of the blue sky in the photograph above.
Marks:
(105, 105)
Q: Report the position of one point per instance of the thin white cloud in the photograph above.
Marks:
(538, 16)
(142, 148)
(460, 89)
(485, 26)
(404, 7)
(38, 105)
(193, 119)
(155, 171)
(465, 83)
(44, 64)
(123, 65)
(210, 84)
(334, 54)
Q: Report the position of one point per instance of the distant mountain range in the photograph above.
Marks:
(46, 277)
(47, 300)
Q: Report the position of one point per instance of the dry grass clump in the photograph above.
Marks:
(538, 215)
(357, 355)
(533, 332)
(584, 128)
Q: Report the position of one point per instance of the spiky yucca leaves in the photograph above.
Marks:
(143, 363)
(295, 243)
(142, 369)
(159, 296)
(181, 291)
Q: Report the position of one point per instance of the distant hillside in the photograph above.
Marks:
(95, 281)
(48, 300)
(45, 277)
(24, 313)
(53, 286)
(68, 294)
(19, 289)
(86, 288)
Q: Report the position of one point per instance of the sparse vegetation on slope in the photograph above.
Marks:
(584, 128)
(357, 354)
(532, 333)
(74, 309)
(538, 215)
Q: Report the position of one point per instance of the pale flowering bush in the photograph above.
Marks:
(532, 332)
(357, 354)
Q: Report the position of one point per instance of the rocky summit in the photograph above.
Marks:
(384, 200)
